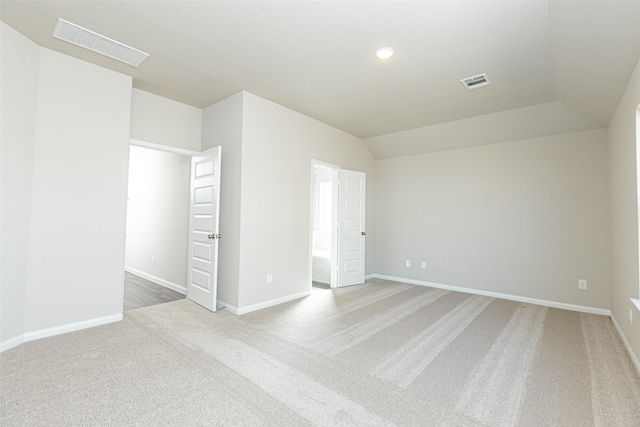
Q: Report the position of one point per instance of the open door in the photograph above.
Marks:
(351, 231)
(204, 231)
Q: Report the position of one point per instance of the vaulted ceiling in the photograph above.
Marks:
(317, 57)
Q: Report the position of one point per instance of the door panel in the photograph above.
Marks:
(204, 228)
(351, 216)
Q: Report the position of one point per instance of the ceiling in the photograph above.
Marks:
(316, 57)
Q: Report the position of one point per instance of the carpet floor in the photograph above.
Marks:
(378, 354)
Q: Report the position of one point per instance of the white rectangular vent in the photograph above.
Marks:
(82, 37)
(475, 82)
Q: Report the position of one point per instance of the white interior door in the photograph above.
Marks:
(204, 228)
(351, 229)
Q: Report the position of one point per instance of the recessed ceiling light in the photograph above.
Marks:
(88, 39)
(385, 53)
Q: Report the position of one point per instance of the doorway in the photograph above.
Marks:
(337, 226)
(157, 227)
(324, 213)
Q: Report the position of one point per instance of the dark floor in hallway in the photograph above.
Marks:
(320, 285)
(139, 292)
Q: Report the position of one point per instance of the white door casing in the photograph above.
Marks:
(204, 232)
(335, 203)
(351, 230)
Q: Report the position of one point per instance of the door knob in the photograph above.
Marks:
(215, 236)
(363, 233)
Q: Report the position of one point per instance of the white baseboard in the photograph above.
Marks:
(546, 303)
(632, 355)
(369, 277)
(228, 307)
(71, 327)
(10, 343)
(58, 330)
(265, 304)
(159, 281)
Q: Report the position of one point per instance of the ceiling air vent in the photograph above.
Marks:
(82, 37)
(476, 81)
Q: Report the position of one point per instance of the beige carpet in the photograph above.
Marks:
(382, 353)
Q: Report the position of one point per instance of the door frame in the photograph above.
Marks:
(334, 220)
(160, 147)
(157, 147)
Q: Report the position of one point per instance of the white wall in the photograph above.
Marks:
(19, 88)
(265, 194)
(158, 214)
(164, 121)
(278, 145)
(222, 126)
(78, 205)
(623, 185)
(525, 218)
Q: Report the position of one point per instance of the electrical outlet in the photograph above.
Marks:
(424, 265)
(631, 316)
(582, 284)
(407, 263)
(269, 278)
(153, 260)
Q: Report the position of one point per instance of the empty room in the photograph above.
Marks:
(292, 213)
